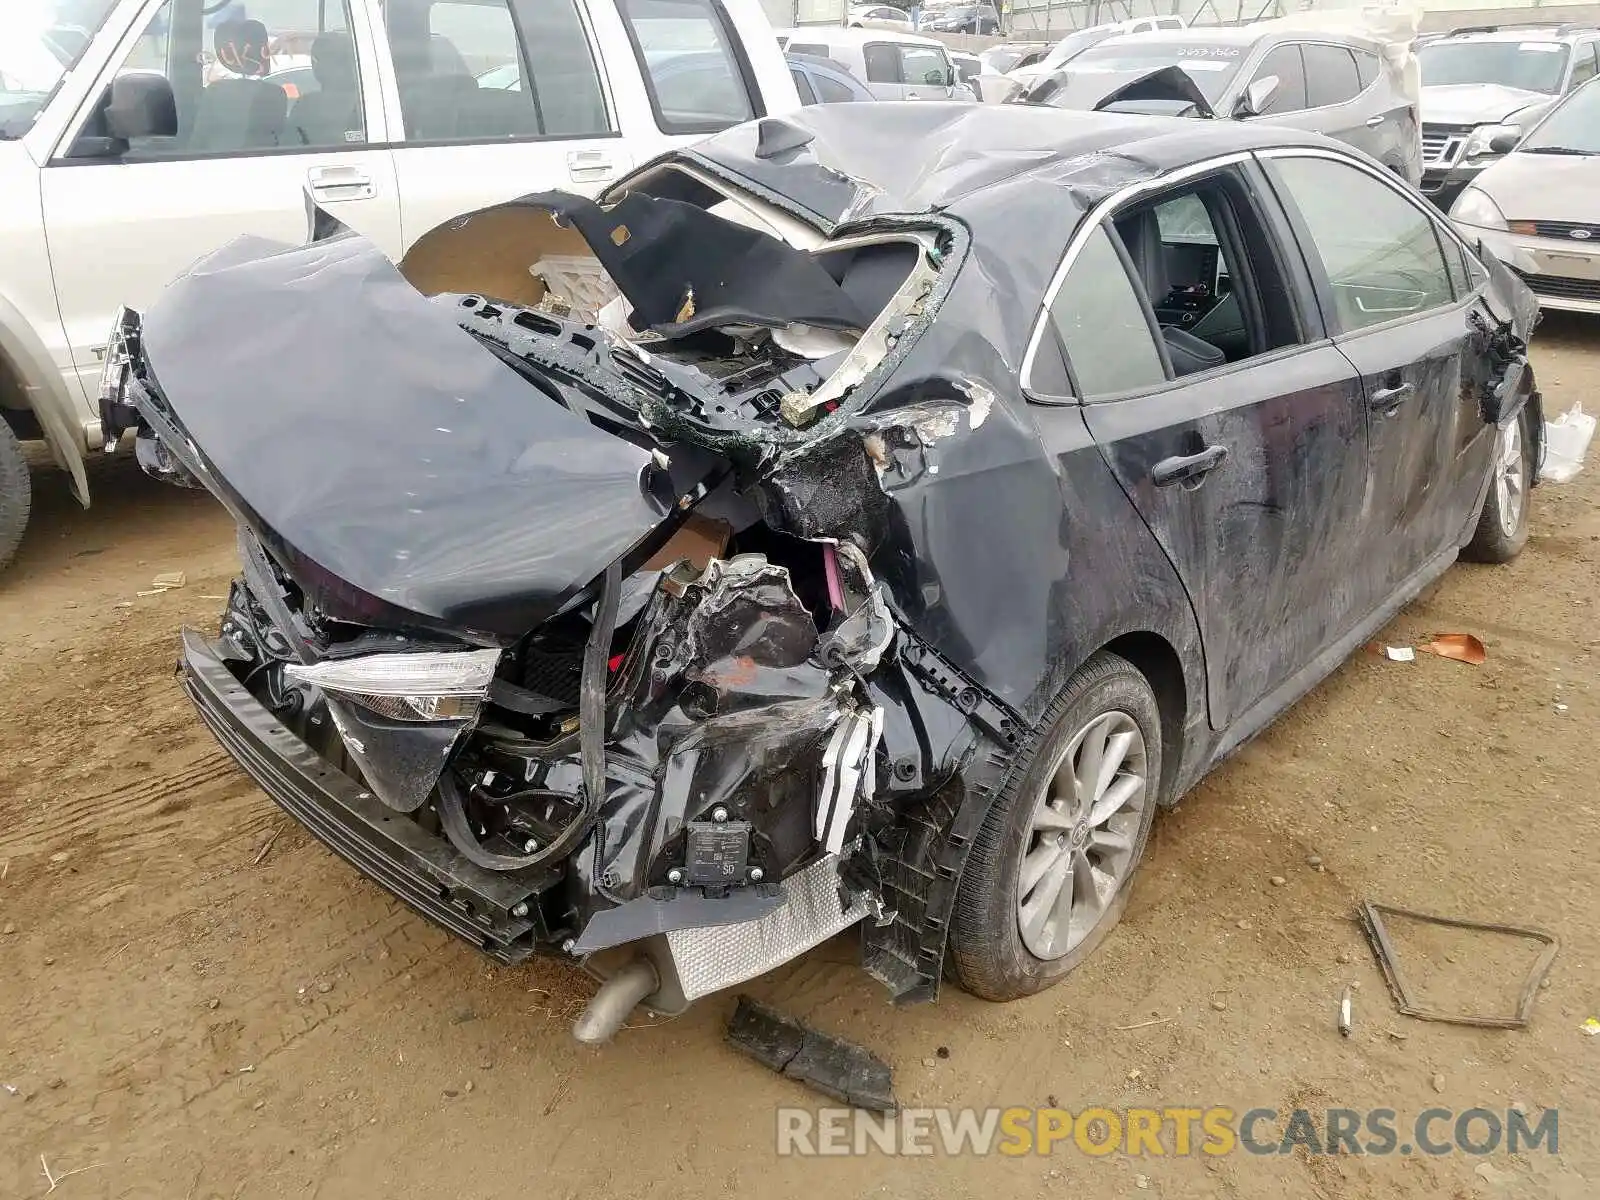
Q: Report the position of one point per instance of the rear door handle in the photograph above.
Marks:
(1388, 399)
(1374, 122)
(340, 183)
(589, 166)
(1188, 466)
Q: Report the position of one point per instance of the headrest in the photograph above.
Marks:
(333, 58)
(241, 47)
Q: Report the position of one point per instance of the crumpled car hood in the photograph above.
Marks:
(350, 420)
(1474, 103)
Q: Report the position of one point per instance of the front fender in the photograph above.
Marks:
(46, 394)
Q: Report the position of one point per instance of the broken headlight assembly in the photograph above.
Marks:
(426, 686)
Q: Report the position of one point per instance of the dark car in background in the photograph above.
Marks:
(823, 81)
(1489, 84)
(1331, 83)
(961, 18)
(826, 583)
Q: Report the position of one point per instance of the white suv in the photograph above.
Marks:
(138, 135)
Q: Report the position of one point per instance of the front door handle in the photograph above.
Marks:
(1387, 399)
(1374, 122)
(1185, 467)
(338, 183)
(589, 166)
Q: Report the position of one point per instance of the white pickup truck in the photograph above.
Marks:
(138, 135)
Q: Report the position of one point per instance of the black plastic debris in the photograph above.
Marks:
(830, 1065)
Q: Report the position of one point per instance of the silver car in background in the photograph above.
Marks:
(1538, 208)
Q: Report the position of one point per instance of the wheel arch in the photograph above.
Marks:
(28, 375)
(1154, 657)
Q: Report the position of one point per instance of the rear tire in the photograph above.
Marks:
(1503, 525)
(16, 494)
(1012, 937)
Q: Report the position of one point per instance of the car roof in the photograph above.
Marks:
(1213, 36)
(934, 156)
(1527, 33)
(834, 35)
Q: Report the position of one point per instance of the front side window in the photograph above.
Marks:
(493, 71)
(925, 66)
(1534, 66)
(1331, 76)
(1388, 264)
(1102, 325)
(1587, 65)
(697, 79)
(241, 86)
(39, 43)
(1283, 64)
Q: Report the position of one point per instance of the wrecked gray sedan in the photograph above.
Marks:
(856, 519)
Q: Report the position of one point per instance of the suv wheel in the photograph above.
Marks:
(16, 494)
(1503, 525)
(1049, 871)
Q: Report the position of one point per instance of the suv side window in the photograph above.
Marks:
(832, 91)
(1290, 94)
(1366, 67)
(478, 72)
(1387, 265)
(1097, 308)
(1586, 66)
(883, 62)
(693, 67)
(244, 88)
(925, 66)
(1331, 76)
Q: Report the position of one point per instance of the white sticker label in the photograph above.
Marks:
(1195, 64)
(1542, 47)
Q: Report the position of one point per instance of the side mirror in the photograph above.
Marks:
(1504, 143)
(141, 105)
(1256, 98)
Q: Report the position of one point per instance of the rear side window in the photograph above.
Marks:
(1385, 266)
(832, 91)
(693, 67)
(883, 63)
(1283, 64)
(1102, 324)
(471, 72)
(802, 85)
(1366, 67)
(1331, 76)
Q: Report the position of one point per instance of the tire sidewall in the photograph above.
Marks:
(1091, 694)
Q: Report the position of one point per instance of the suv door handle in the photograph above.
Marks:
(1388, 399)
(1374, 122)
(337, 183)
(589, 166)
(1188, 466)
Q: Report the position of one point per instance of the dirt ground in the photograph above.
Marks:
(184, 1016)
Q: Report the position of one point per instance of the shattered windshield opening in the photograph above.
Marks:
(40, 42)
(1527, 66)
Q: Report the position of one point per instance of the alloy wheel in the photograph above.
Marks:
(1510, 478)
(1080, 846)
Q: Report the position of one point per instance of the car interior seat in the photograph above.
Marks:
(327, 116)
(1141, 235)
(243, 112)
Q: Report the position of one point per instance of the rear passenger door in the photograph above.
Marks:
(122, 222)
(1232, 423)
(1394, 292)
(1333, 85)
